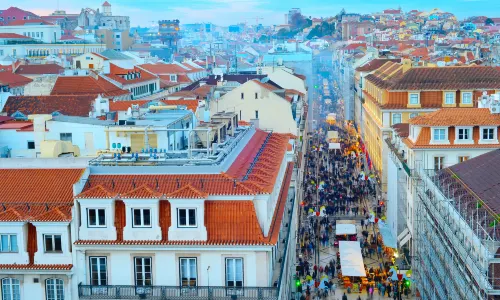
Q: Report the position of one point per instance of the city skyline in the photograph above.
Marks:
(146, 12)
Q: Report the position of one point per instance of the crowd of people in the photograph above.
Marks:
(336, 184)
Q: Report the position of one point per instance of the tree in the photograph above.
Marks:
(489, 22)
(298, 22)
(263, 38)
(283, 32)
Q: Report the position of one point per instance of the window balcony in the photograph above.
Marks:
(176, 292)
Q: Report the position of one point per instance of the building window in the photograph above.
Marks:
(188, 271)
(96, 217)
(242, 96)
(439, 134)
(413, 115)
(54, 288)
(414, 99)
(11, 289)
(461, 159)
(98, 270)
(8, 243)
(31, 145)
(186, 217)
(438, 163)
(173, 78)
(41, 34)
(143, 271)
(142, 217)
(466, 97)
(396, 119)
(464, 134)
(117, 36)
(256, 114)
(66, 137)
(488, 133)
(234, 272)
(256, 95)
(449, 98)
(52, 242)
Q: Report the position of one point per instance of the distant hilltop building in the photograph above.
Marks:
(168, 31)
(104, 19)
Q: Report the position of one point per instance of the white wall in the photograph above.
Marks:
(41, 257)
(166, 265)
(275, 112)
(20, 230)
(18, 142)
(142, 233)
(78, 131)
(43, 33)
(97, 233)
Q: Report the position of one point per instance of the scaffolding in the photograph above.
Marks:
(456, 240)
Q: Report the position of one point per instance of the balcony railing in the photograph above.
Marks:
(176, 292)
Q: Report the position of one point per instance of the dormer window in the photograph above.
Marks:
(96, 217)
(141, 217)
(488, 134)
(8, 243)
(414, 99)
(186, 217)
(449, 98)
(466, 97)
(52, 242)
(173, 78)
(439, 134)
(464, 134)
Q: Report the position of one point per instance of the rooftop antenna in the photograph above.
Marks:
(4, 208)
(157, 184)
(46, 207)
(113, 183)
(28, 206)
(133, 183)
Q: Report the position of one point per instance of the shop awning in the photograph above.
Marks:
(341, 229)
(351, 260)
(387, 237)
(332, 134)
(333, 146)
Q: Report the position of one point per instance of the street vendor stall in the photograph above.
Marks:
(345, 230)
(351, 260)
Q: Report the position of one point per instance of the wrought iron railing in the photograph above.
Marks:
(176, 292)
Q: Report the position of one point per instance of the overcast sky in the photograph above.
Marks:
(226, 12)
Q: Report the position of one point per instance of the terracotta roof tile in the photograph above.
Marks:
(29, 21)
(187, 192)
(13, 80)
(143, 191)
(39, 69)
(375, 64)
(13, 36)
(97, 192)
(116, 71)
(124, 105)
(240, 166)
(456, 78)
(120, 219)
(192, 105)
(38, 186)
(86, 85)
(67, 105)
(424, 139)
(458, 117)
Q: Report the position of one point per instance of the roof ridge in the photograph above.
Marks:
(99, 188)
(143, 186)
(201, 195)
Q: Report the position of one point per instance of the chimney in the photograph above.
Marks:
(406, 65)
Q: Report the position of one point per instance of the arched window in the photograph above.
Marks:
(54, 289)
(11, 289)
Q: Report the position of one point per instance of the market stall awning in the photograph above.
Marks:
(387, 237)
(333, 146)
(341, 229)
(332, 134)
(351, 260)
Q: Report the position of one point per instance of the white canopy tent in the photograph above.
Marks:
(332, 135)
(341, 229)
(333, 146)
(351, 260)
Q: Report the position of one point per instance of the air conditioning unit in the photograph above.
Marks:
(495, 107)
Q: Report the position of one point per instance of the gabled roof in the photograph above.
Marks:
(187, 192)
(13, 80)
(13, 36)
(142, 192)
(124, 105)
(66, 105)
(86, 85)
(39, 69)
(163, 69)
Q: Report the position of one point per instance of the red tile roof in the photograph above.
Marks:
(240, 166)
(124, 105)
(86, 85)
(19, 125)
(187, 192)
(12, 36)
(116, 71)
(142, 192)
(192, 105)
(448, 78)
(164, 69)
(458, 117)
(39, 69)
(227, 223)
(29, 22)
(13, 80)
(66, 105)
(106, 3)
(375, 64)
